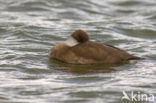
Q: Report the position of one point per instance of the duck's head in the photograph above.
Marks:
(77, 37)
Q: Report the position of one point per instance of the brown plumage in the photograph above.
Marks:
(88, 52)
(80, 36)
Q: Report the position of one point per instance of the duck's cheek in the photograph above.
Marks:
(71, 42)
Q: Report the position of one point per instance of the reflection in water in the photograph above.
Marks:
(81, 69)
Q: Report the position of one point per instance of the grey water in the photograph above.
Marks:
(30, 28)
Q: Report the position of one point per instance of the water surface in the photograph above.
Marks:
(30, 28)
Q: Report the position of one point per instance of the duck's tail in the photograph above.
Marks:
(135, 58)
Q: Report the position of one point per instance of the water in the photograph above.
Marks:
(29, 28)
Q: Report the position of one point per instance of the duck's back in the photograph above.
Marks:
(92, 52)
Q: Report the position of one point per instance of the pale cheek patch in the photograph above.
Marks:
(71, 42)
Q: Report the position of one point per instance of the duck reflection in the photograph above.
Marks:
(81, 69)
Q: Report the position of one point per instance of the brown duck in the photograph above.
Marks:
(78, 49)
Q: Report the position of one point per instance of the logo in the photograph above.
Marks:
(137, 96)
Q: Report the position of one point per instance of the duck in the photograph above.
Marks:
(79, 49)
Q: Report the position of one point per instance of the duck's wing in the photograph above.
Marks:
(100, 52)
(130, 57)
(90, 50)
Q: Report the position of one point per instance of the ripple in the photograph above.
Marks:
(142, 33)
(30, 28)
(127, 3)
(28, 6)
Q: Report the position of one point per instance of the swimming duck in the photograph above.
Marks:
(79, 49)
